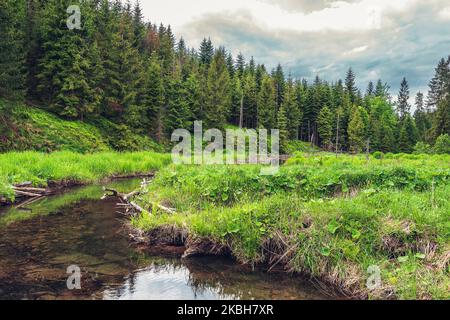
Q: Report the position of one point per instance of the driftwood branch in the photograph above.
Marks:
(126, 202)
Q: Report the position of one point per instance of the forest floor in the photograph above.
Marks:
(375, 228)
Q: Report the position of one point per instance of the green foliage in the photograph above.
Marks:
(266, 104)
(282, 123)
(422, 148)
(408, 135)
(217, 95)
(325, 123)
(26, 128)
(12, 49)
(357, 130)
(384, 224)
(442, 145)
(378, 155)
(141, 79)
(65, 166)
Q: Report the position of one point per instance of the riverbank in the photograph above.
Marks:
(63, 169)
(336, 220)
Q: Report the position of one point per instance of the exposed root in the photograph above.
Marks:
(205, 246)
(277, 251)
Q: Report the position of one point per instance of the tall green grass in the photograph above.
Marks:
(319, 177)
(334, 217)
(65, 166)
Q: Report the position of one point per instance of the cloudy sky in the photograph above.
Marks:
(386, 39)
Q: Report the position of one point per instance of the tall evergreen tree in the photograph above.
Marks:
(206, 52)
(403, 106)
(382, 90)
(155, 98)
(441, 122)
(282, 124)
(350, 85)
(292, 110)
(421, 117)
(267, 104)
(240, 65)
(357, 130)
(70, 85)
(439, 84)
(279, 82)
(325, 127)
(218, 92)
(12, 48)
(178, 114)
(408, 135)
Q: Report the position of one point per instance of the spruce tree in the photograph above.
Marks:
(218, 92)
(439, 84)
(357, 130)
(382, 90)
(178, 114)
(351, 86)
(194, 96)
(421, 117)
(325, 127)
(240, 65)
(280, 86)
(12, 48)
(441, 122)
(68, 85)
(370, 89)
(408, 135)
(292, 110)
(403, 107)
(206, 52)
(267, 104)
(282, 124)
(155, 98)
(250, 90)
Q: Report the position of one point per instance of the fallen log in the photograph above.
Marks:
(125, 198)
(28, 189)
(28, 194)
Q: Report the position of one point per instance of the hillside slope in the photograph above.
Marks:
(28, 128)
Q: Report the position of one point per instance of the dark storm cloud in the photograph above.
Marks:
(408, 44)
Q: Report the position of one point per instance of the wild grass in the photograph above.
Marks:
(24, 128)
(198, 187)
(65, 166)
(331, 218)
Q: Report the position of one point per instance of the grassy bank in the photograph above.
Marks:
(327, 217)
(24, 128)
(69, 167)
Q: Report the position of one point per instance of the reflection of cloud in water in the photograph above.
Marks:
(167, 282)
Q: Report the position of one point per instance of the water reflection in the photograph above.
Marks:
(76, 228)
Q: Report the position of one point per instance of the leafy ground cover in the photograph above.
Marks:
(333, 218)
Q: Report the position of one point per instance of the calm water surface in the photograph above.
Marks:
(77, 228)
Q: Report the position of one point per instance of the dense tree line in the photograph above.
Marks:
(137, 74)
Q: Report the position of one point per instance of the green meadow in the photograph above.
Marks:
(321, 215)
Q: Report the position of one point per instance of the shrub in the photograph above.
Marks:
(378, 155)
(442, 145)
(422, 148)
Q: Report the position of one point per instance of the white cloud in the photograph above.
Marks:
(445, 13)
(356, 50)
(339, 15)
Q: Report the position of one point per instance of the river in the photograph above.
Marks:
(78, 229)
